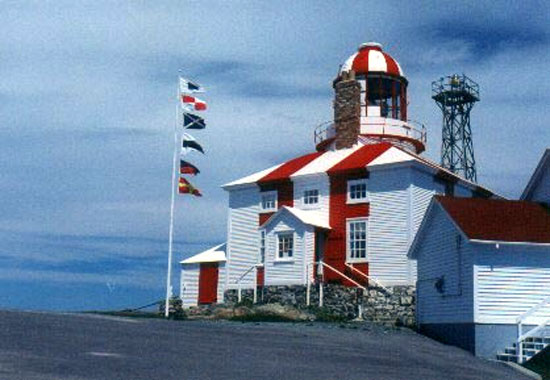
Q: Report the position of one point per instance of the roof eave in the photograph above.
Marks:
(504, 242)
(536, 175)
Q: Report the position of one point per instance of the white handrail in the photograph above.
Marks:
(308, 289)
(369, 278)
(238, 282)
(358, 285)
(532, 332)
(532, 310)
(519, 320)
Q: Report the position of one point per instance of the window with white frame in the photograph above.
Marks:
(311, 197)
(357, 191)
(262, 246)
(268, 201)
(285, 248)
(357, 230)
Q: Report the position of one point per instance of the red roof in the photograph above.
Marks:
(360, 158)
(288, 168)
(370, 58)
(499, 220)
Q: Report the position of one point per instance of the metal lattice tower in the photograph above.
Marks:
(455, 95)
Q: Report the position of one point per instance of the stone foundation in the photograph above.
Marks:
(395, 307)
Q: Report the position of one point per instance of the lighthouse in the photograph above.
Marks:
(370, 104)
(343, 214)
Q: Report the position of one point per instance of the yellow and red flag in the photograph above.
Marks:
(184, 187)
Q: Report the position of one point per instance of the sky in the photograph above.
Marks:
(88, 103)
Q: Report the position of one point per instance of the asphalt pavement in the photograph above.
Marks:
(56, 346)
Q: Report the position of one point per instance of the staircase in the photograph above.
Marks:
(530, 347)
(531, 342)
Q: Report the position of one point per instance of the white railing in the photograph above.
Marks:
(325, 265)
(239, 283)
(323, 131)
(521, 335)
(369, 278)
(383, 126)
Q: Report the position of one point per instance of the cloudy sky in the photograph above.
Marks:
(88, 102)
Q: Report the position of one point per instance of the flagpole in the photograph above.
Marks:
(172, 203)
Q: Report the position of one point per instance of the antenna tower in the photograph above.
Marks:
(455, 95)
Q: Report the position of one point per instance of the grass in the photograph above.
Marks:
(261, 317)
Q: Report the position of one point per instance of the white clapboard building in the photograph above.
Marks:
(484, 275)
(350, 208)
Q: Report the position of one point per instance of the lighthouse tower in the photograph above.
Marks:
(370, 104)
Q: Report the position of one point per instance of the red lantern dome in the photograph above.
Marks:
(369, 59)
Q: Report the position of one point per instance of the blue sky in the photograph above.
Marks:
(87, 98)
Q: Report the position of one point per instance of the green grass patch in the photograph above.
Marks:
(261, 317)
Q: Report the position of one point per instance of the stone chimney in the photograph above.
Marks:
(347, 110)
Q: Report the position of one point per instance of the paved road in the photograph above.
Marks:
(50, 346)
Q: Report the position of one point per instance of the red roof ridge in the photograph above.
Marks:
(360, 158)
(284, 171)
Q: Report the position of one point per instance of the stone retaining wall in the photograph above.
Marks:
(395, 307)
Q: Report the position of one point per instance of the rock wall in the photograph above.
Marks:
(395, 307)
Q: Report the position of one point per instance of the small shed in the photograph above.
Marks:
(203, 276)
(483, 265)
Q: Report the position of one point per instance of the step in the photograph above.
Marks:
(507, 358)
(534, 346)
(537, 339)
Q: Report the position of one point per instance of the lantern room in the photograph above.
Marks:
(371, 104)
(383, 86)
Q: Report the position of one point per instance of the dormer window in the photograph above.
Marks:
(357, 191)
(311, 197)
(268, 201)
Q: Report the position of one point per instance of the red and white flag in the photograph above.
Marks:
(190, 102)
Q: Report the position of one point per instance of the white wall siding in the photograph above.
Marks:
(309, 254)
(319, 182)
(440, 256)
(510, 280)
(291, 272)
(388, 235)
(423, 188)
(243, 237)
(189, 286)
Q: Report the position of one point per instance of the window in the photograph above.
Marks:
(357, 239)
(311, 197)
(357, 191)
(262, 246)
(268, 201)
(286, 246)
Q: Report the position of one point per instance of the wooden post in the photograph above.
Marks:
(255, 284)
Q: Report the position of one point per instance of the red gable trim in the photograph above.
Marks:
(359, 159)
(499, 220)
(288, 168)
